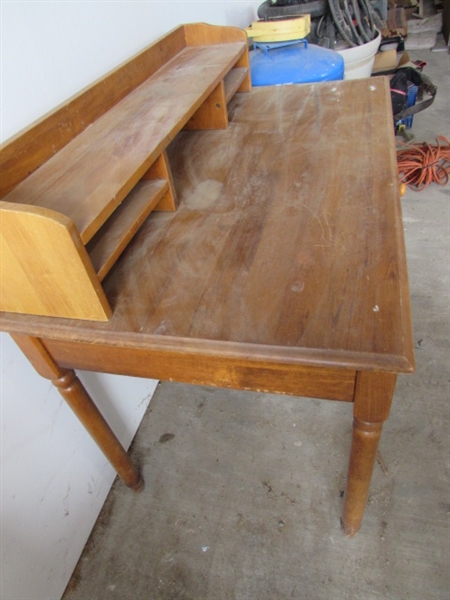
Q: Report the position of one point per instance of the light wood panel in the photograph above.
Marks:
(203, 34)
(45, 269)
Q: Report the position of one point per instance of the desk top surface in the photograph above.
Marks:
(287, 243)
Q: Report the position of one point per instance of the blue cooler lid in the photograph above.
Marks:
(294, 62)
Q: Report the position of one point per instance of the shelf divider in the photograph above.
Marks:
(114, 236)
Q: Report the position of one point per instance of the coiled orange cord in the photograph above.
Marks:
(421, 164)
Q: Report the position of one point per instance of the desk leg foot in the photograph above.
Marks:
(372, 402)
(139, 486)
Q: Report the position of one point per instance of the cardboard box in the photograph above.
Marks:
(385, 61)
(389, 61)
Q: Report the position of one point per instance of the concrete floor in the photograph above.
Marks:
(244, 491)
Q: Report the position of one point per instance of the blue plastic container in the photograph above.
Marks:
(294, 62)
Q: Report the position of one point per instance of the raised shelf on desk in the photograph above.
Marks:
(90, 176)
(84, 163)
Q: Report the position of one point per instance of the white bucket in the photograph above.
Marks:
(358, 61)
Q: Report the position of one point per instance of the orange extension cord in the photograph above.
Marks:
(422, 163)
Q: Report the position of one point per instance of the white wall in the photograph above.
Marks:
(54, 480)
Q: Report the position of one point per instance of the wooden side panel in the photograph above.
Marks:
(202, 34)
(29, 149)
(45, 269)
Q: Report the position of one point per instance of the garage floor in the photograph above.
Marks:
(244, 491)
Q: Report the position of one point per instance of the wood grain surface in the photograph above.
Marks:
(42, 262)
(287, 243)
(28, 150)
(90, 176)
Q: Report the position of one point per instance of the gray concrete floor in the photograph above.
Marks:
(244, 491)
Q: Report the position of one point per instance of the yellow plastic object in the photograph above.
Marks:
(281, 30)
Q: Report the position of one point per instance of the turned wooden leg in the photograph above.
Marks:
(73, 391)
(363, 452)
(373, 397)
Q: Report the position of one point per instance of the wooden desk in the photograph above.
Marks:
(282, 270)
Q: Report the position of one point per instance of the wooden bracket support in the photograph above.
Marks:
(160, 169)
(213, 113)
